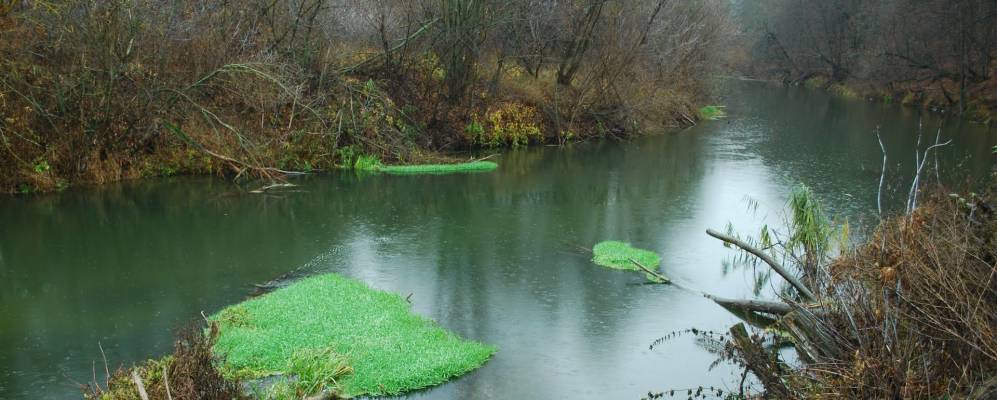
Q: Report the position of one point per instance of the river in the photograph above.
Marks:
(490, 256)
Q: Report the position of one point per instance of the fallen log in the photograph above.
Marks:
(793, 280)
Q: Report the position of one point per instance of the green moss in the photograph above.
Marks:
(476, 166)
(617, 255)
(712, 112)
(389, 349)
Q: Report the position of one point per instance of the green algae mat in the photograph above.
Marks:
(374, 165)
(388, 349)
(712, 113)
(617, 255)
(620, 255)
(476, 166)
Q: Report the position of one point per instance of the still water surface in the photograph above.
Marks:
(490, 256)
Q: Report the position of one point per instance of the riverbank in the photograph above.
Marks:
(947, 61)
(250, 89)
(940, 96)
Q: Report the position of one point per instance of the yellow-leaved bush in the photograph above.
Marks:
(509, 123)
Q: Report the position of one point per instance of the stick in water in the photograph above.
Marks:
(648, 270)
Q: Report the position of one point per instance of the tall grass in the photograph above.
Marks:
(810, 230)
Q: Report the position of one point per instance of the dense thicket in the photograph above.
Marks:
(102, 90)
(910, 314)
(935, 52)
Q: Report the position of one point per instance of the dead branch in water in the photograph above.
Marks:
(769, 307)
(661, 277)
(793, 280)
(272, 186)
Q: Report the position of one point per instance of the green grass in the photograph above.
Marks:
(617, 255)
(712, 112)
(475, 166)
(389, 349)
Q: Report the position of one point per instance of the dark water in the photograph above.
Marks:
(490, 256)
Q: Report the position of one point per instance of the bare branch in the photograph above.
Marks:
(779, 269)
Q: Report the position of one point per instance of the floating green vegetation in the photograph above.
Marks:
(474, 166)
(373, 164)
(618, 255)
(331, 332)
(712, 112)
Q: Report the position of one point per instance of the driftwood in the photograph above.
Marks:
(778, 268)
(272, 186)
(761, 362)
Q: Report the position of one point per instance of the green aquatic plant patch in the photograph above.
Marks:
(373, 164)
(617, 255)
(712, 112)
(475, 166)
(388, 349)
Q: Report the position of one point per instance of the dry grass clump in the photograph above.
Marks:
(188, 373)
(912, 313)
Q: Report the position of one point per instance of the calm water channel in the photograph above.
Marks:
(490, 256)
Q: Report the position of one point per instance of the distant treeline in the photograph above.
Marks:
(939, 53)
(102, 90)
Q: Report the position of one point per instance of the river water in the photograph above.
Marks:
(490, 256)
